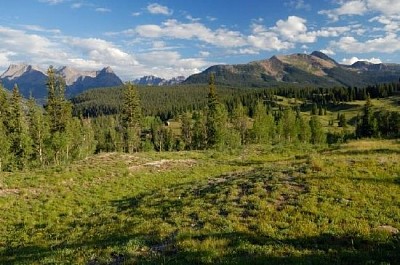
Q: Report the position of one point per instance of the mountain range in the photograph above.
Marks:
(315, 69)
(31, 80)
(151, 80)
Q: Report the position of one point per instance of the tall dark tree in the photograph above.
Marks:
(5, 155)
(368, 125)
(212, 105)
(18, 131)
(318, 135)
(187, 130)
(264, 124)
(131, 116)
(59, 115)
(38, 130)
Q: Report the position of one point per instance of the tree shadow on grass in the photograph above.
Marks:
(204, 205)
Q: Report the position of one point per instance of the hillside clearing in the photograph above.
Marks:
(260, 205)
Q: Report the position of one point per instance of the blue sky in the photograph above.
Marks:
(179, 37)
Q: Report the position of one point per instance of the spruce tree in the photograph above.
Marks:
(186, 130)
(368, 125)
(18, 131)
(318, 135)
(212, 104)
(240, 122)
(38, 130)
(131, 116)
(5, 144)
(59, 115)
(264, 125)
(199, 139)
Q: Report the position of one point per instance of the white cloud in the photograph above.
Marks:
(268, 41)
(173, 29)
(136, 14)
(41, 29)
(386, 7)
(388, 44)
(353, 7)
(52, 2)
(76, 5)
(204, 53)
(101, 51)
(102, 10)
(360, 7)
(328, 51)
(22, 44)
(159, 9)
(298, 4)
(294, 29)
(353, 60)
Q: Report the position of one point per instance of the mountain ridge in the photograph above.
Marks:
(315, 69)
(31, 80)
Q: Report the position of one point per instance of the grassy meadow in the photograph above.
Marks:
(258, 205)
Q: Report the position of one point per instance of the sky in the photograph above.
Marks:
(180, 37)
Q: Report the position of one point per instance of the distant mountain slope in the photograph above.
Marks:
(32, 80)
(152, 80)
(315, 69)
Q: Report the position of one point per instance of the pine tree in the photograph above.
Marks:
(38, 130)
(303, 130)
(240, 122)
(199, 139)
(368, 125)
(318, 135)
(18, 131)
(186, 130)
(342, 121)
(264, 124)
(212, 104)
(5, 144)
(131, 118)
(288, 121)
(59, 115)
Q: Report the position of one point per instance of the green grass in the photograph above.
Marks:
(260, 205)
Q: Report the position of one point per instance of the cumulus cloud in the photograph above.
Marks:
(353, 7)
(294, 29)
(174, 29)
(361, 7)
(328, 51)
(388, 44)
(159, 9)
(353, 60)
(99, 50)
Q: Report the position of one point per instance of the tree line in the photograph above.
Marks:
(38, 136)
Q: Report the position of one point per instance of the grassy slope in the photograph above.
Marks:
(260, 205)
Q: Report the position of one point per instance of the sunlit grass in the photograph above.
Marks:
(281, 204)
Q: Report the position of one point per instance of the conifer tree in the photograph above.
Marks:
(368, 125)
(240, 122)
(18, 131)
(38, 130)
(131, 116)
(318, 135)
(59, 115)
(212, 104)
(186, 130)
(199, 140)
(5, 144)
(303, 130)
(264, 124)
(288, 121)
